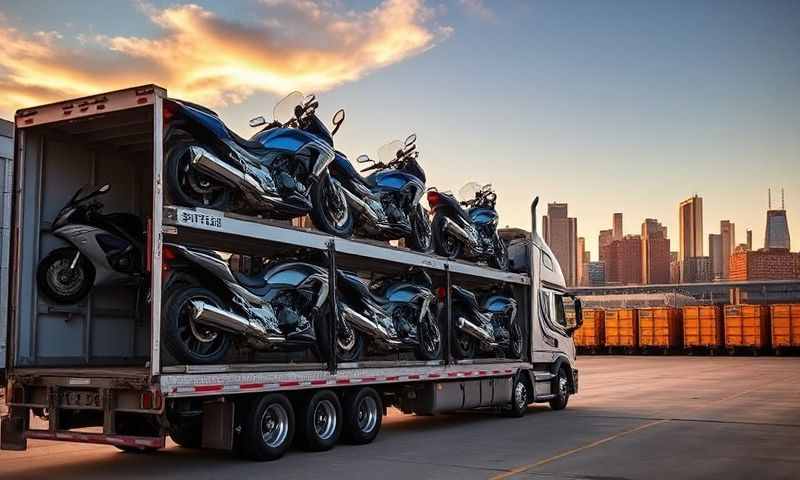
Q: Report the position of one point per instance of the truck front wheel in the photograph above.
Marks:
(562, 391)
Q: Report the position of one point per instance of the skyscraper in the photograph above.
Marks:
(624, 260)
(777, 234)
(580, 253)
(690, 223)
(715, 252)
(655, 252)
(561, 233)
(727, 231)
(749, 239)
(617, 226)
(605, 238)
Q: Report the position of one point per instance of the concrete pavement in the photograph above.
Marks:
(635, 417)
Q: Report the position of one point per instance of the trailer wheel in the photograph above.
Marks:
(363, 414)
(519, 398)
(187, 434)
(562, 391)
(320, 421)
(268, 428)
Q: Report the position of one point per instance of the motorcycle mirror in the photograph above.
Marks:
(411, 139)
(104, 188)
(363, 158)
(338, 119)
(257, 121)
(309, 99)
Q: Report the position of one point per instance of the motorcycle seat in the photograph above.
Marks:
(251, 281)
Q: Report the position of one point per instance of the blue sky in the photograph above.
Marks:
(610, 106)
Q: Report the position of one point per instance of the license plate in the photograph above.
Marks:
(203, 220)
(80, 398)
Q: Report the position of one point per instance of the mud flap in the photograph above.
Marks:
(12, 430)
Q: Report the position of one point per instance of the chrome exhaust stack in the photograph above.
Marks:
(454, 229)
(230, 322)
(360, 322)
(209, 164)
(475, 331)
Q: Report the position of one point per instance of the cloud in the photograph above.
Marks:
(478, 9)
(198, 55)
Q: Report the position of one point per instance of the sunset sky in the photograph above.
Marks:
(624, 106)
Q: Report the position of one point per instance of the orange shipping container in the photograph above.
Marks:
(622, 327)
(659, 327)
(747, 326)
(702, 326)
(592, 331)
(785, 325)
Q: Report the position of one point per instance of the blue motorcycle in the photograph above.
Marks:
(469, 233)
(281, 172)
(386, 204)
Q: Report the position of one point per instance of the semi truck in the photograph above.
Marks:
(97, 370)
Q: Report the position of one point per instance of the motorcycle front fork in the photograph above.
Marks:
(75, 260)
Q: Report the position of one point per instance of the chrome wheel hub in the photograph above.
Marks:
(325, 419)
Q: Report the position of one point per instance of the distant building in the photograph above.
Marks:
(561, 234)
(512, 233)
(595, 274)
(674, 271)
(605, 238)
(749, 239)
(624, 260)
(728, 232)
(764, 264)
(777, 233)
(690, 225)
(616, 230)
(695, 270)
(715, 252)
(579, 254)
(655, 252)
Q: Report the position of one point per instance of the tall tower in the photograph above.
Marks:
(749, 240)
(777, 232)
(617, 227)
(728, 232)
(561, 233)
(690, 224)
(655, 252)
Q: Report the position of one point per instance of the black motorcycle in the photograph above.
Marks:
(281, 172)
(387, 202)
(489, 325)
(207, 306)
(393, 314)
(104, 249)
(470, 233)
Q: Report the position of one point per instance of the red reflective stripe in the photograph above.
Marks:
(368, 379)
(413, 377)
(318, 382)
(246, 386)
(208, 388)
(452, 374)
(289, 384)
(392, 379)
(342, 381)
(433, 375)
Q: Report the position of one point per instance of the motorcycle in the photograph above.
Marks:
(208, 306)
(487, 326)
(105, 249)
(387, 202)
(394, 314)
(280, 173)
(470, 233)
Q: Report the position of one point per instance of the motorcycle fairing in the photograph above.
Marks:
(86, 239)
(467, 297)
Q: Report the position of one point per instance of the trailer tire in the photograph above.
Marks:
(363, 415)
(562, 391)
(189, 434)
(268, 428)
(319, 421)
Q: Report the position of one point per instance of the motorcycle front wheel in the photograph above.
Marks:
(464, 345)
(421, 235)
(187, 186)
(329, 209)
(429, 336)
(444, 244)
(515, 342)
(187, 340)
(349, 342)
(60, 281)
(500, 258)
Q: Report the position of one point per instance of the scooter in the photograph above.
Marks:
(104, 249)
(393, 314)
(387, 202)
(487, 326)
(208, 307)
(281, 172)
(469, 233)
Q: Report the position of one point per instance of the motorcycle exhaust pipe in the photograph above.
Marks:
(211, 165)
(454, 229)
(231, 322)
(475, 331)
(360, 206)
(366, 325)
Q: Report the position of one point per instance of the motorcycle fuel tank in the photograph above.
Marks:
(483, 216)
(394, 180)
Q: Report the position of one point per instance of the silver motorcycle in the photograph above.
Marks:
(104, 249)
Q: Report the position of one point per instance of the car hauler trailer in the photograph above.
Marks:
(97, 371)
(6, 172)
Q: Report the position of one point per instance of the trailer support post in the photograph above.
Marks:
(334, 310)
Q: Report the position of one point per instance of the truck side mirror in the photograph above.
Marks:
(575, 317)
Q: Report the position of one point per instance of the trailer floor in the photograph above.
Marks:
(636, 417)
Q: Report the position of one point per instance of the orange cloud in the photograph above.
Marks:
(198, 55)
